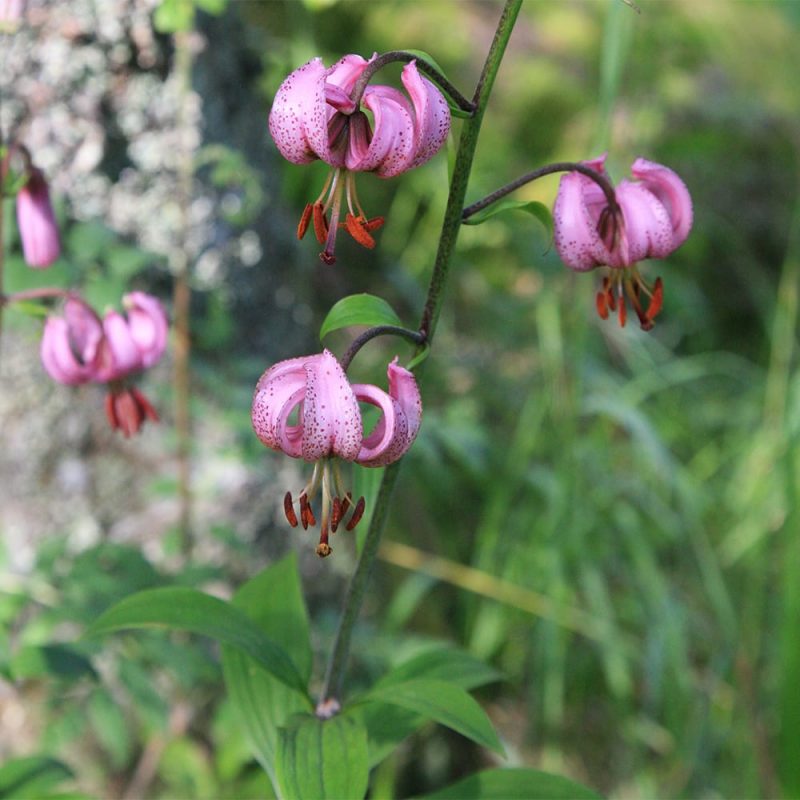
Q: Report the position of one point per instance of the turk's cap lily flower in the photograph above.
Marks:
(79, 347)
(652, 219)
(313, 117)
(38, 229)
(306, 408)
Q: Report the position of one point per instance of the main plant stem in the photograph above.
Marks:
(450, 226)
(181, 301)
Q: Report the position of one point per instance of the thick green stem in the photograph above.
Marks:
(450, 227)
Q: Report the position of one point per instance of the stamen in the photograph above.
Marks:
(336, 514)
(354, 226)
(601, 302)
(306, 514)
(632, 289)
(346, 502)
(374, 223)
(288, 509)
(609, 289)
(335, 202)
(305, 218)
(111, 413)
(323, 548)
(358, 512)
(622, 310)
(320, 223)
(656, 300)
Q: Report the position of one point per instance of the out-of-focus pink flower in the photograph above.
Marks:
(313, 117)
(37, 222)
(10, 14)
(653, 218)
(81, 348)
(306, 408)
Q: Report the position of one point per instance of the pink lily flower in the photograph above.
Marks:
(81, 348)
(326, 426)
(313, 117)
(37, 222)
(654, 218)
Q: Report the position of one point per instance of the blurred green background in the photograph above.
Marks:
(608, 516)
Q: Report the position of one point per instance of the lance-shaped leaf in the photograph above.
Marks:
(323, 759)
(532, 207)
(188, 609)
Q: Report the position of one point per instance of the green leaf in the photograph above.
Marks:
(532, 207)
(446, 664)
(31, 777)
(320, 759)
(359, 309)
(187, 609)
(30, 308)
(173, 16)
(388, 725)
(54, 660)
(513, 784)
(215, 7)
(446, 703)
(273, 599)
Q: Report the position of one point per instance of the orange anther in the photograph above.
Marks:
(305, 218)
(320, 223)
(656, 300)
(336, 514)
(356, 228)
(358, 512)
(288, 509)
(602, 304)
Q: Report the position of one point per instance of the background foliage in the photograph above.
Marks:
(609, 518)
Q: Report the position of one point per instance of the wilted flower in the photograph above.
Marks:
(81, 348)
(37, 222)
(653, 218)
(306, 408)
(313, 117)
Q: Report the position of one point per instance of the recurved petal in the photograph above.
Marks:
(85, 329)
(431, 115)
(574, 227)
(119, 354)
(382, 445)
(148, 325)
(298, 121)
(399, 424)
(648, 231)
(331, 417)
(391, 149)
(346, 71)
(275, 390)
(57, 356)
(671, 191)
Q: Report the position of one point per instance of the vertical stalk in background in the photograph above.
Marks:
(181, 299)
(614, 54)
(450, 227)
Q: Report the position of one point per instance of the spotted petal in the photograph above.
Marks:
(671, 192)
(280, 389)
(574, 226)
(331, 417)
(391, 148)
(298, 121)
(119, 354)
(399, 424)
(431, 115)
(648, 230)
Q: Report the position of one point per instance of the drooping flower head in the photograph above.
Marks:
(38, 229)
(81, 348)
(653, 217)
(306, 408)
(313, 117)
